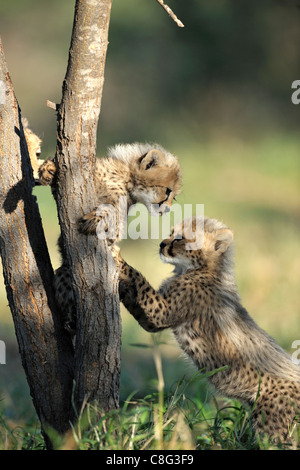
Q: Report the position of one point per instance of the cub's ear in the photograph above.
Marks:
(25, 123)
(151, 159)
(224, 238)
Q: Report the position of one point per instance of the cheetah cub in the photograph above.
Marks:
(201, 304)
(130, 174)
(141, 173)
(34, 147)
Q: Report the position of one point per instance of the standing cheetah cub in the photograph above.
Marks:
(135, 173)
(201, 304)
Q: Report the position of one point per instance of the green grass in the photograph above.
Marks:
(187, 416)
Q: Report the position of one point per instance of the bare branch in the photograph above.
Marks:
(171, 13)
(51, 105)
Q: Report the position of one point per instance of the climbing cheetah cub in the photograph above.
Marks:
(201, 304)
(34, 147)
(141, 173)
(130, 174)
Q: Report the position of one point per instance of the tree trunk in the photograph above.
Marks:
(98, 338)
(45, 348)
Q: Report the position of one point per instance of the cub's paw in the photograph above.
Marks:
(47, 172)
(88, 223)
(100, 224)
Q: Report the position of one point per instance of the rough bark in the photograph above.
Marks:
(45, 348)
(97, 353)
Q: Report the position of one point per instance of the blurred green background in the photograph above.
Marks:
(216, 93)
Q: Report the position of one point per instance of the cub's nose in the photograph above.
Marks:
(162, 245)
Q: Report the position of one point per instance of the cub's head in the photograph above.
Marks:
(199, 243)
(155, 175)
(34, 147)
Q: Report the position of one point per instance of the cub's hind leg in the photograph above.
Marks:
(65, 298)
(63, 290)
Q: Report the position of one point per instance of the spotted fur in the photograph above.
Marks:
(201, 304)
(140, 173)
(34, 147)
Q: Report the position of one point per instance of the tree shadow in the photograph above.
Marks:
(22, 191)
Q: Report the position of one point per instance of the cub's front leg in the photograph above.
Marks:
(89, 222)
(104, 222)
(147, 306)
